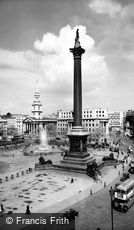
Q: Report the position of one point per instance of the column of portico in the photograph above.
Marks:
(25, 126)
(38, 127)
(35, 128)
(28, 127)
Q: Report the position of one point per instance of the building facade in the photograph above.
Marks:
(116, 120)
(19, 118)
(94, 121)
(129, 123)
(32, 126)
(3, 126)
(12, 123)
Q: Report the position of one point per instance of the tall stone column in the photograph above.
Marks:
(77, 136)
(77, 158)
(77, 54)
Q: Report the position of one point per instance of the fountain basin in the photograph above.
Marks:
(37, 150)
(40, 150)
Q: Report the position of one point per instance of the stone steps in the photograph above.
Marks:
(71, 167)
(77, 161)
(78, 155)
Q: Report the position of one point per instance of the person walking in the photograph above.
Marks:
(28, 210)
(1, 208)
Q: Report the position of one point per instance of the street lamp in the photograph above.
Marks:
(111, 192)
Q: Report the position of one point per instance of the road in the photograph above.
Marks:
(95, 211)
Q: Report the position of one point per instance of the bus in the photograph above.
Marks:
(131, 169)
(132, 163)
(124, 196)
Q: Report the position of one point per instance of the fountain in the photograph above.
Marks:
(43, 147)
(39, 149)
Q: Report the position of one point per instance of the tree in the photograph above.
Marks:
(11, 130)
(1, 131)
(51, 130)
(8, 115)
(96, 134)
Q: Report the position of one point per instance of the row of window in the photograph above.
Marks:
(92, 124)
(62, 128)
(64, 124)
(66, 113)
(100, 111)
(84, 122)
(96, 115)
(114, 123)
(114, 116)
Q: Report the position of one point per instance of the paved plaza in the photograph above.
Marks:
(48, 190)
(40, 189)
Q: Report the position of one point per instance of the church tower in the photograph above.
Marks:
(37, 105)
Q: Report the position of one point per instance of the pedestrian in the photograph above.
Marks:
(100, 179)
(72, 180)
(1, 208)
(28, 210)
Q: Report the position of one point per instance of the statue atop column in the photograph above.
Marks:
(77, 34)
(77, 42)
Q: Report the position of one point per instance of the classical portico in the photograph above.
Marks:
(31, 125)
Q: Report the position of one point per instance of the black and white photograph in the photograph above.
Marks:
(66, 114)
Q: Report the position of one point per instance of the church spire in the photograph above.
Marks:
(36, 106)
(36, 87)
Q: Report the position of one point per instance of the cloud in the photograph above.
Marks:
(23, 60)
(52, 44)
(52, 65)
(117, 45)
(104, 70)
(109, 7)
(57, 61)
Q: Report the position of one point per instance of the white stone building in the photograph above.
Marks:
(116, 120)
(16, 122)
(94, 120)
(3, 126)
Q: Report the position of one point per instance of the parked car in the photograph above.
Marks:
(131, 170)
(124, 177)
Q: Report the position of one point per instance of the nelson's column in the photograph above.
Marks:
(77, 158)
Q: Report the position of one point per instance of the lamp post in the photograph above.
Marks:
(111, 192)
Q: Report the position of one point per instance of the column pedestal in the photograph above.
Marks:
(77, 158)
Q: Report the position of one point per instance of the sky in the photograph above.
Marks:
(35, 37)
